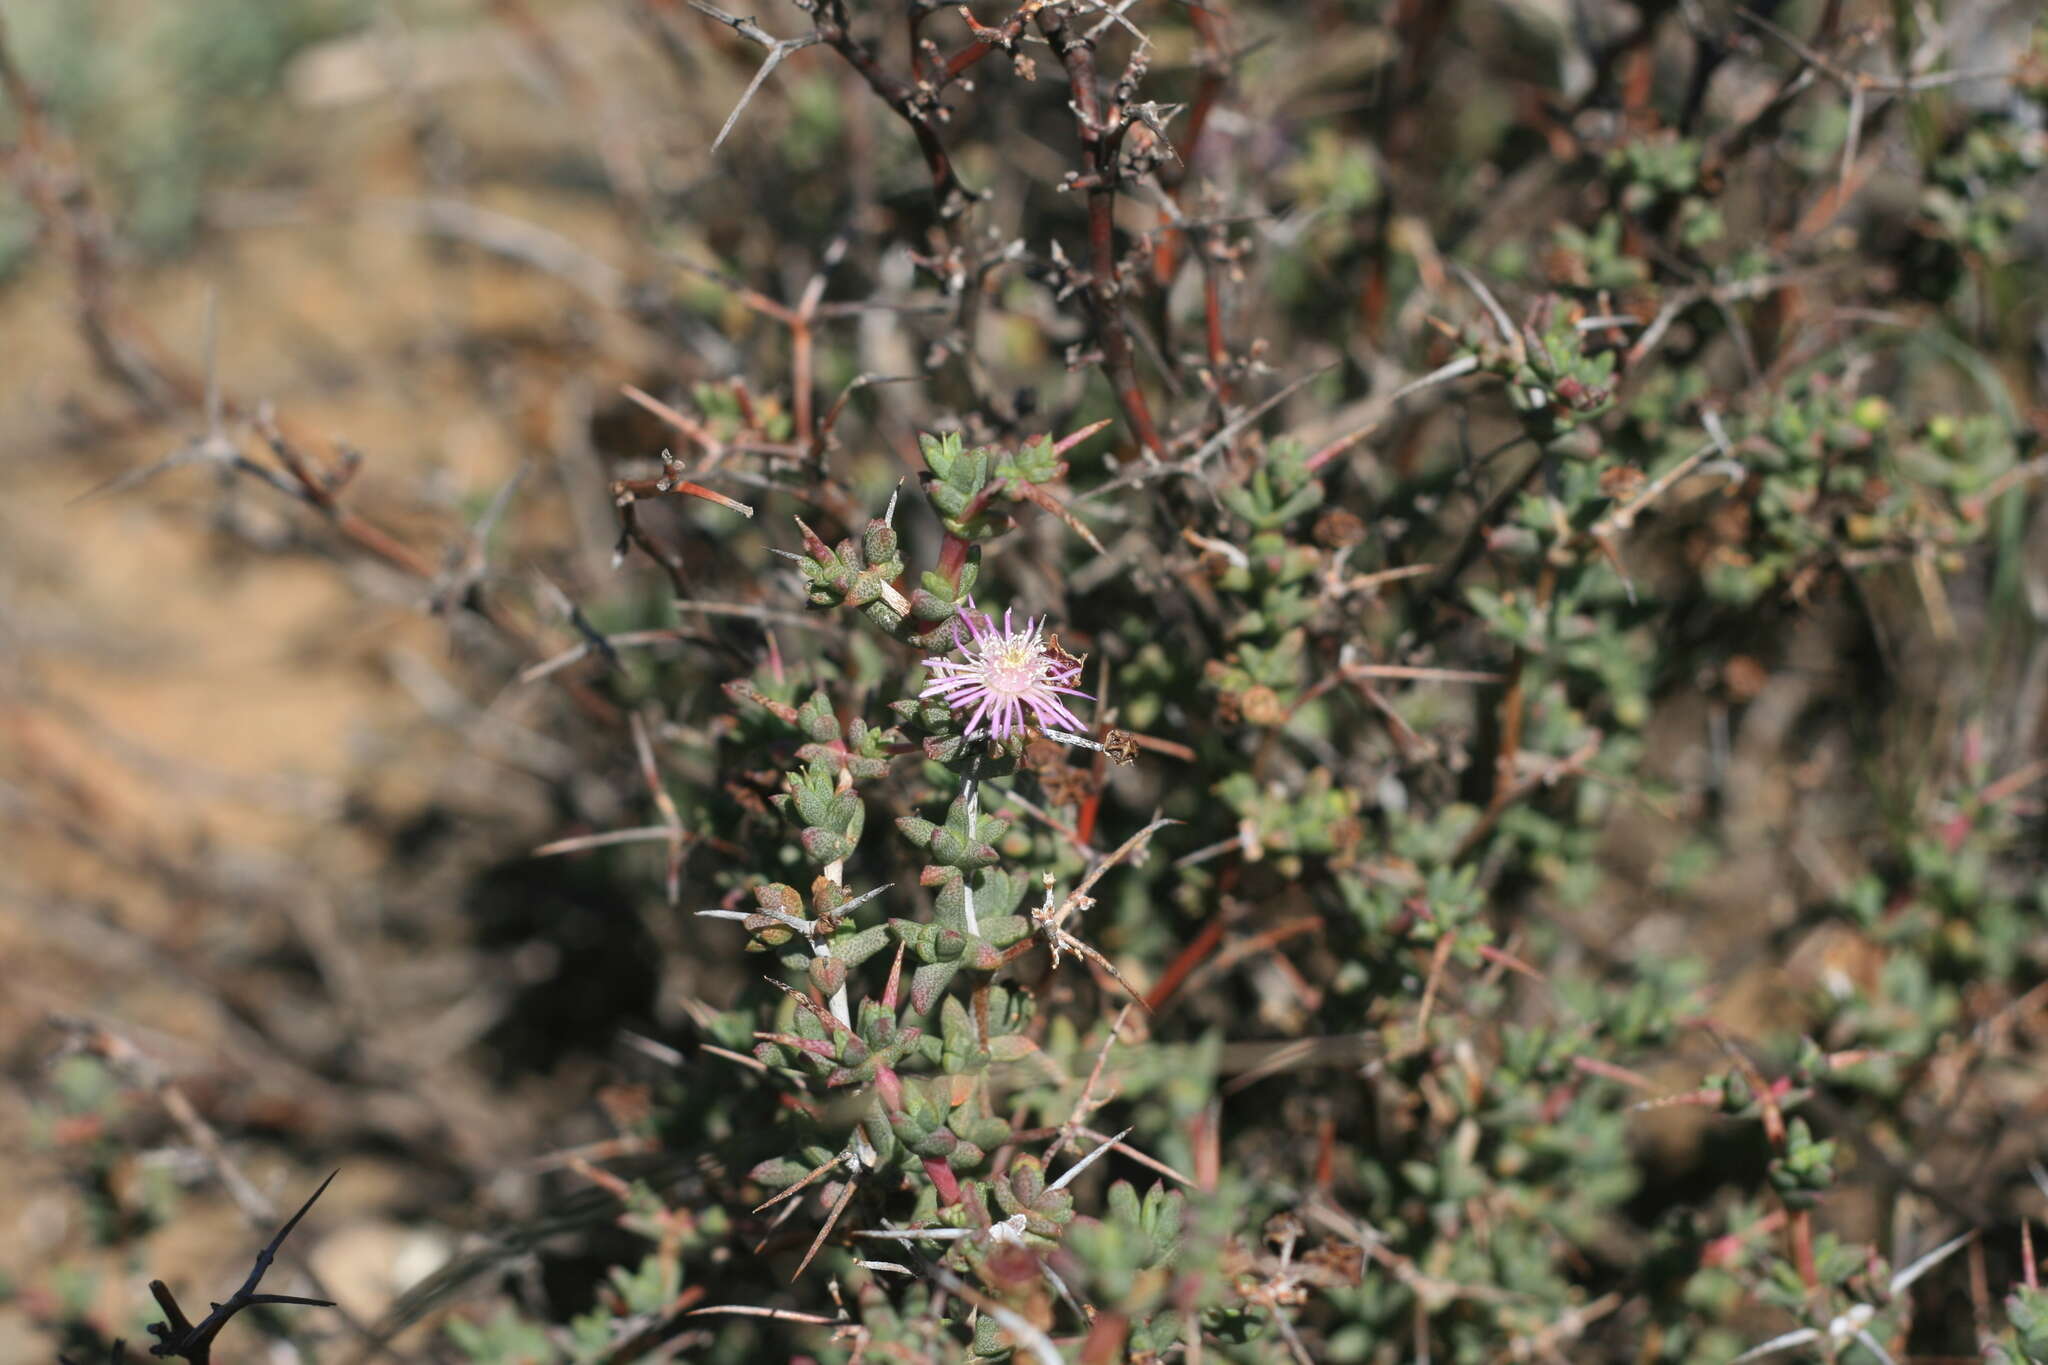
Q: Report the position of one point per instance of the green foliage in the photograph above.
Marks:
(170, 108)
(503, 1339)
(1471, 728)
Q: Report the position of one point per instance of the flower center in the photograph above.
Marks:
(1011, 667)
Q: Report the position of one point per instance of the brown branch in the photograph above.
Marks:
(178, 1336)
(318, 492)
(46, 167)
(1005, 36)
(1505, 797)
(322, 494)
(1101, 140)
(1215, 62)
(910, 105)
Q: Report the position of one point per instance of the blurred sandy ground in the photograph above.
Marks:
(207, 736)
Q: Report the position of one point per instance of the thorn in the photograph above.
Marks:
(1085, 1162)
(832, 1218)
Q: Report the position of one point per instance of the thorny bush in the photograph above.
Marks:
(1253, 849)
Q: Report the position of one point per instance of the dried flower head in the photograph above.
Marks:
(1003, 672)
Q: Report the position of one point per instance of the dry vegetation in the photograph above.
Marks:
(1544, 500)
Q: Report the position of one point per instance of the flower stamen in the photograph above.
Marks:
(1008, 679)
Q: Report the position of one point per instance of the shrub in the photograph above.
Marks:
(1429, 768)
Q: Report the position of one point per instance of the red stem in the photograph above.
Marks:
(1106, 1336)
(1100, 141)
(800, 381)
(1802, 1249)
(942, 1176)
(1189, 958)
(953, 559)
(901, 96)
(1212, 308)
(1215, 76)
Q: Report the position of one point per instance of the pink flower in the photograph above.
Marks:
(1002, 672)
